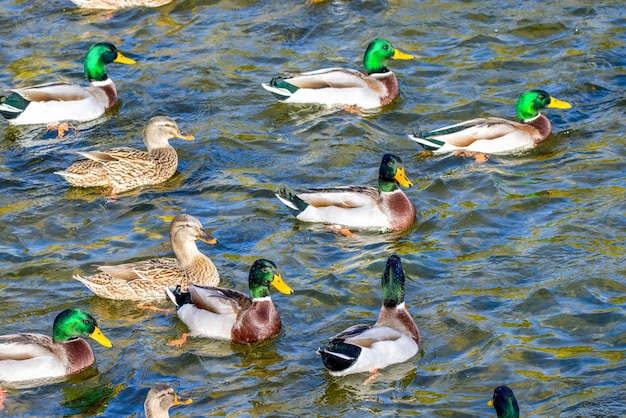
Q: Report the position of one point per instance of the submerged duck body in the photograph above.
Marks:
(123, 169)
(55, 102)
(394, 338)
(227, 314)
(497, 135)
(146, 280)
(345, 87)
(385, 207)
(34, 357)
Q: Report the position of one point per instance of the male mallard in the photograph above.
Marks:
(54, 102)
(25, 357)
(119, 4)
(160, 399)
(147, 280)
(394, 338)
(504, 402)
(228, 314)
(345, 87)
(122, 169)
(385, 207)
(496, 135)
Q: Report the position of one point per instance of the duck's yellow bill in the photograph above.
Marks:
(402, 178)
(184, 135)
(123, 60)
(204, 237)
(399, 55)
(99, 336)
(280, 284)
(558, 104)
(178, 400)
(490, 403)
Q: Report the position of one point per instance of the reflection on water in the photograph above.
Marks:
(515, 267)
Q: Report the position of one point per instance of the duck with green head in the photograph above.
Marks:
(394, 338)
(56, 102)
(228, 314)
(496, 135)
(345, 87)
(385, 207)
(28, 357)
(504, 402)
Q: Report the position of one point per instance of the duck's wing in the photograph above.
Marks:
(329, 77)
(219, 300)
(365, 336)
(25, 346)
(53, 92)
(157, 269)
(343, 197)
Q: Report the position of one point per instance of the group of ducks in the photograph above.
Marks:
(190, 280)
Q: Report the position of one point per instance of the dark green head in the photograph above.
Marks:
(532, 102)
(97, 58)
(391, 174)
(263, 273)
(393, 282)
(378, 54)
(504, 402)
(76, 323)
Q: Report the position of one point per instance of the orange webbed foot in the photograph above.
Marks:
(61, 128)
(154, 308)
(353, 109)
(373, 375)
(342, 231)
(179, 342)
(3, 397)
(479, 157)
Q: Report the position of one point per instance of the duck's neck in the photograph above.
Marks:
(260, 322)
(108, 90)
(398, 318)
(390, 82)
(543, 126)
(79, 355)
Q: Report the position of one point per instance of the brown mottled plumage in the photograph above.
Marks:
(147, 280)
(160, 399)
(122, 169)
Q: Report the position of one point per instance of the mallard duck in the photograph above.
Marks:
(26, 357)
(118, 4)
(345, 87)
(147, 280)
(504, 402)
(385, 207)
(496, 135)
(394, 338)
(228, 314)
(160, 399)
(122, 169)
(55, 102)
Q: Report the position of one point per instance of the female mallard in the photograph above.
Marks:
(122, 169)
(385, 207)
(345, 87)
(394, 338)
(504, 402)
(118, 4)
(228, 314)
(496, 135)
(147, 280)
(26, 357)
(160, 399)
(54, 102)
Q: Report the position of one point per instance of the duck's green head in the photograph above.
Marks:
(393, 282)
(76, 323)
(263, 273)
(504, 402)
(378, 54)
(97, 58)
(391, 174)
(532, 102)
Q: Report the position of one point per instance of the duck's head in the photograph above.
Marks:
(391, 174)
(504, 402)
(159, 130)
(263, 273)
(97, 58)
(378, 54)
(393, 282)
(76, 323)
(532, 102)
(187, 228)
(161, 398)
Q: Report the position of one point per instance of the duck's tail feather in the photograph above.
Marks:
(12, 106)
(423, 139)
(177, 296)
(292, 201)
(338, 356)
(280, 88)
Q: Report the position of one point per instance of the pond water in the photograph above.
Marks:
(515, 266)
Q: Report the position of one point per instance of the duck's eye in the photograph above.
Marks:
(86, 321)
(542, 96)
(264, 269)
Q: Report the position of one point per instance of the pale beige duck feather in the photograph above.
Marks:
(122, 169)
(160, 399)
(146, 280)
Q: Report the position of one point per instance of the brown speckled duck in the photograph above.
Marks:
(122, 169)
(160, 399)
(147, 280)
